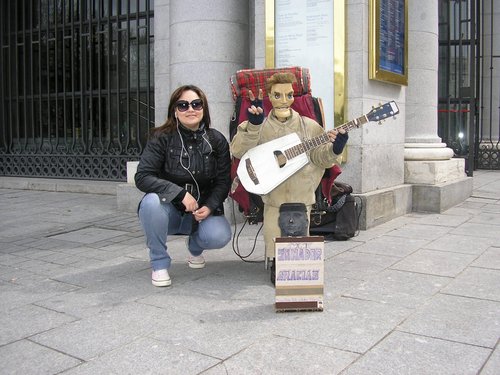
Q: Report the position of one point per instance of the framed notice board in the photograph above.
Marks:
(388, 52)
(311, 34)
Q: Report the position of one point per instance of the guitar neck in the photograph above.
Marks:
(312, 143)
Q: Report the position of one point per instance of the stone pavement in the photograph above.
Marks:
(417, 295)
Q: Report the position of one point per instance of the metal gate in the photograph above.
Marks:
(488, 131)
(76, 86)
(469, 82)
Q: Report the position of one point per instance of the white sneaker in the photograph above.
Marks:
(160, 278)
(196, 262)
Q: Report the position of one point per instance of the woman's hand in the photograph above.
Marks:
(201, 213)
(189, 202)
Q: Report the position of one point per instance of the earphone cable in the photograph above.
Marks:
(189, 162)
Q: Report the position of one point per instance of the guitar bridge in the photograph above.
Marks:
(251, 172)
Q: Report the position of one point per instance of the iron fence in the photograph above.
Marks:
(76, 86)
(469, 82)
(488, 131)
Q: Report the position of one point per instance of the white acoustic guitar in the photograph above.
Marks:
(265, 166)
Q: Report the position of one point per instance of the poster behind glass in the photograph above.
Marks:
(389, 41)
(304, 37)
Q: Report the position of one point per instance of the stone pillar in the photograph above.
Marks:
(428, 162)
(208, 43)
(258, 14)
(421, 140)
(161, 58)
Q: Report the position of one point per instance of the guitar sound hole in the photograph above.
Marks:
(280, 158)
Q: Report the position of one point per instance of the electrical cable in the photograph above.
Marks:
(235, 239)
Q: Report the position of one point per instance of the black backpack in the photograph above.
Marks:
(338, 220)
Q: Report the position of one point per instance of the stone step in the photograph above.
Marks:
(61, 185)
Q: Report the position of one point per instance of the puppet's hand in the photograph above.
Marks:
(256, 111)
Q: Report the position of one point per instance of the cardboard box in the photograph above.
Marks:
(299, 273)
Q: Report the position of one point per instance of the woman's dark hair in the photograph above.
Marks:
(171, 124)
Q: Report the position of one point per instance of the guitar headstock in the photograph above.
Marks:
(389, 109)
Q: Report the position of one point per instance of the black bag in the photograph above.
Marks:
(338, 220)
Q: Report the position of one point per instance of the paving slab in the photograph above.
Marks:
(461, 243)
(455, 318)
(466, 209)
(492, 364)
(147, 356)
(209, 334)
(391, 245)
(492, 208)
(355, 265)
(400, 288)
(99, 272)
(40, 267)
(444, 220)
(339, 286)
(486, 218)
(252, 361)
(18, 293)
(489, 259)
(440, 263)
(11, 259)
(479, 230)
(27, 320)
(474, 282)
(89, 235)
(420, 231)
(112, 329)
(402, 353)
(26, 357)
(347, 324)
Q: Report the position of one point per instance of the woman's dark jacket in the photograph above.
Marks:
(164, 165)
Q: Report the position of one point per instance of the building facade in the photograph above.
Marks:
(82, 81)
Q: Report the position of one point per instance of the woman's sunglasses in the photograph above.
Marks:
(183, 105)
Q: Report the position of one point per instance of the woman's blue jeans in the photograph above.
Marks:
(161, 219)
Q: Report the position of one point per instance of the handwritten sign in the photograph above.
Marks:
(299, 273)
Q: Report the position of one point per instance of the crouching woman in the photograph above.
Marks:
(185, 173)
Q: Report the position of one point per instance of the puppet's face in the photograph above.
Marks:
(281, 98)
